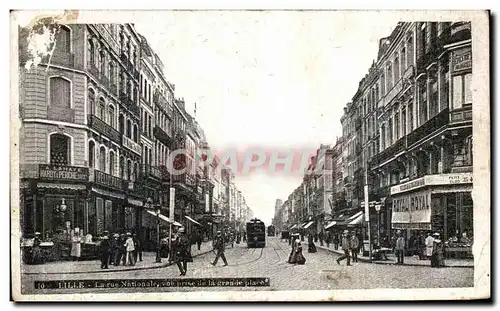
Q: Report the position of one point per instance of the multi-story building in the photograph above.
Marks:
(80, 131)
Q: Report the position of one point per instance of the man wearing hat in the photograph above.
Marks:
(104, 249)
(346, 247)
(400, 247)
(182, 253)
(220, 248)
(129, 248)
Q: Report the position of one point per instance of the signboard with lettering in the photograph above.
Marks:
(462, 60)
(105, 179)
(433, 180)
(57, 172)
(207, 203)
(412, 208)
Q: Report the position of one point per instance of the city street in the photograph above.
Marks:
(319, 273)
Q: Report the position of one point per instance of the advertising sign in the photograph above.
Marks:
(70, 173)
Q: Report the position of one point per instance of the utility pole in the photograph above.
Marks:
(367, 214)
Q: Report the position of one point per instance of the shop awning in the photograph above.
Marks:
(164, 218)
(192, 220)
(308, 224)
(355, 216)
(293, 227)
(356, 221)
(331, 224)
(302, 225)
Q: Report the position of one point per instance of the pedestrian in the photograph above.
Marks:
(437, 252)
(400, 247)
(137, 248)
(311, 247)
(104, 249)
(336, 241)
(76, 246)
(115, 249)
(321, 238)
(298, 256)
(429, 245)
(328, 239)
(199, 239)
(130, 249)
(220, 247)
(182, 253)
(346, 247)
(354, 248)
(123, 249)
(291, 258)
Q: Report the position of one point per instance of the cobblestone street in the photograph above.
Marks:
(319, 273)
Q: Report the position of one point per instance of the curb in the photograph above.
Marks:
(163, 265)
(392, 263)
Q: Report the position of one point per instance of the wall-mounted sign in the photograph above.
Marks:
(57, 172)
(462, 60)
(131, 145)
(433, 180)
(412, 208)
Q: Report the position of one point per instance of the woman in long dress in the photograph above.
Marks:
(76, 247)
(299, 257)
(311, 246)
(291, 258)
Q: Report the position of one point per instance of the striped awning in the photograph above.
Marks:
(357, 221)
(61, 186)
(164, 218)
(108, 193)
(293, 227)
(331, 224)
(308, 224)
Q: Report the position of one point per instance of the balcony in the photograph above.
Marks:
(162, 136)
(151, 171)
(438, 121)
(160, 100)
(131, 145)
(129, 66)
(392, 150)
(129, 103)
(105, 129)
(107, 180)
(461, 115)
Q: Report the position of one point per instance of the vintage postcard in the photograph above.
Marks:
(177, 155)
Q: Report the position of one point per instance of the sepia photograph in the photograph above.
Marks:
(222, 155)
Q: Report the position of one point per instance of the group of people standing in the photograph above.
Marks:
(120, 249)
(350, 245)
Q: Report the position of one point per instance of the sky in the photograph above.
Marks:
(269, 79)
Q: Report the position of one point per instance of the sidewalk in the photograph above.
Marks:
(408, 260)
(94, 266)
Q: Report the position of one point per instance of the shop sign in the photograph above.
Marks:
(433, 180)
(207, 203)
(462, 60)
(57, 172)
(412, 208)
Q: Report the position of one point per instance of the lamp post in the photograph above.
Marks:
(377, 208)
(158, 257)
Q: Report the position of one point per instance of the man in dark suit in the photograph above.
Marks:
(104, 249)
(220, 247)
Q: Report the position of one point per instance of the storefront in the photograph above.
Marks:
(439, 203)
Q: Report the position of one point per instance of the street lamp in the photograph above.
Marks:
(377, 208)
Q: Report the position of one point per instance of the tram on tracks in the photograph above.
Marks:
(256, 233)
(271, 231)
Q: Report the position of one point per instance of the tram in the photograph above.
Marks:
(256, 233)
(271, 231)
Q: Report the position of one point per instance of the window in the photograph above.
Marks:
(91, 154)
(129, 129)
(129, 170)
(91, 52)
(403, 122)
(102, 62)
(396, 69)
(91, 101)
(423, 103)
(409, 45)
(102, 109)
(63, 40)
(403, 60)
(434, 96)
(410, 117)
(382, 84)
(396, 126)
(423, 38)
(122, 168)
(136, 133)
(102, 159)
(111, 115)
(112, 72)
(462, 93)
(60, 149)
(111, 163)
(121, 124)
(389, 77)
(60, 92)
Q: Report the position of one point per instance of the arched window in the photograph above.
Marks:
(91, 101)
(91, 51)
(129, 170)
(60, 92)
(122, 168)
(121, 124)
(91, 154)
(102, 109)
(102, 62)
(136, 133)
(134, 57)
(110, 71)
(63, 40)
(102, 159)
(111, 163)
(60, 149)
(129, 129)
(111, 115)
